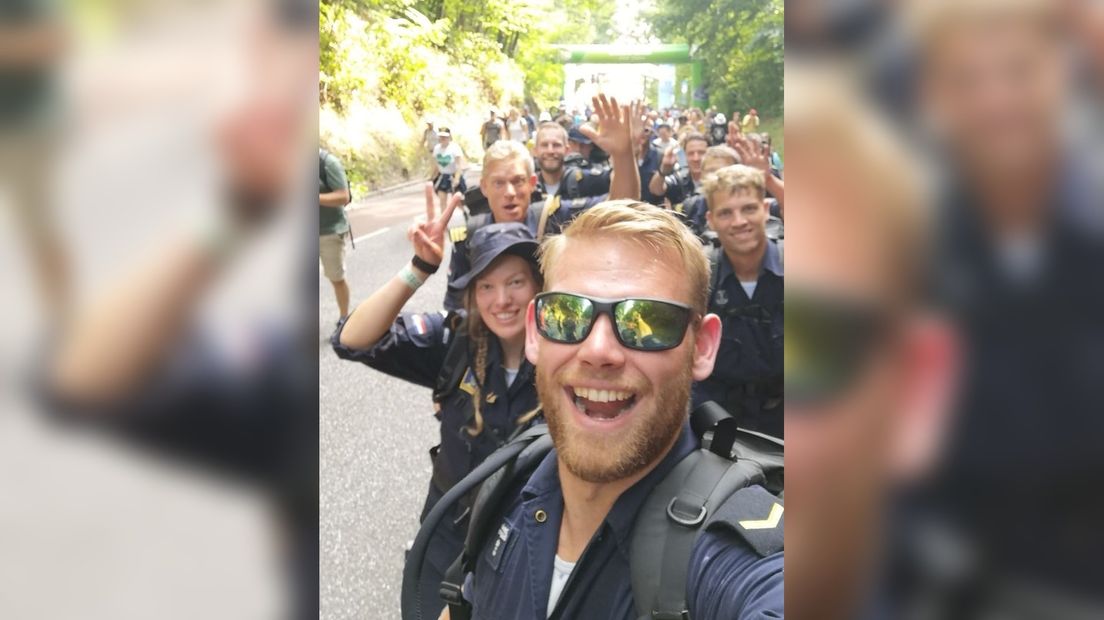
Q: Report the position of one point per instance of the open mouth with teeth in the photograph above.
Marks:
(506, 317)
(603, 405)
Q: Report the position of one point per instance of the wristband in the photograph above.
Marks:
(423, 265)
(409, 278)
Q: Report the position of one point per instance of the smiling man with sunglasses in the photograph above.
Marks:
(617, 338)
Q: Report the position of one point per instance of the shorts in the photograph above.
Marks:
(331, 249)
(444, 184)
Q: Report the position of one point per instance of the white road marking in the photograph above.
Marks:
(371, 234)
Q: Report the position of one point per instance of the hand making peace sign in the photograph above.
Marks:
(428, 236)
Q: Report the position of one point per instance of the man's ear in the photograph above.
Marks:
(931, 365)
(707, 339)
(532, 338)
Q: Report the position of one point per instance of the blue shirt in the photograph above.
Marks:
(726, 578)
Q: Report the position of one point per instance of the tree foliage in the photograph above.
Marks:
(385, 60)
(741, 43)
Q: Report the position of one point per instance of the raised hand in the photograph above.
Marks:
(670, 158)
(614, 134)
(428, 236)
(751, 154)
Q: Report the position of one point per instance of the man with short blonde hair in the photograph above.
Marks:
(617, 337)
(508, 181)
(746, 290)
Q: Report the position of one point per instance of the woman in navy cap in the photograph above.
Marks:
(473, 359)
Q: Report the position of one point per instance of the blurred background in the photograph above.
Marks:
(158, 430)
(947, 466)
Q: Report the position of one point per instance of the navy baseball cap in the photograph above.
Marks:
(493, 240)
(577, 136)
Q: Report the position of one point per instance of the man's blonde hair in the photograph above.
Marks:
(503, 150)
(731, 179)
(649, 226)
(721, 151)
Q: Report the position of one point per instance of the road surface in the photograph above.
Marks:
(374, 431)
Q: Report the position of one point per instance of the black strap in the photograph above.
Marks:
(452, 591)
(456, 359)
(411, 601)
(675, 512)
(715, 427)
(666, 529)
(714, 274)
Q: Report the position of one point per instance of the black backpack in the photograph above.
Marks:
(717, 133)
(675, 513)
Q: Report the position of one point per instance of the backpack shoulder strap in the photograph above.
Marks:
(704, 490)
(456, 360)
(550, 205)
(513, 459)
(530, 448)
(714, 272)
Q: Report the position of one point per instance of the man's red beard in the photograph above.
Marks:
(616, 456)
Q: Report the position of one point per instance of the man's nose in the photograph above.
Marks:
(601, 347)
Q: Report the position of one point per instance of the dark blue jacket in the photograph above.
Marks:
(512, 579)
(647, 168)
(747, 376)
(414, 349)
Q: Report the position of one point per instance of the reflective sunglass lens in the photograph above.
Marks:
(564, 318)
(650, 325)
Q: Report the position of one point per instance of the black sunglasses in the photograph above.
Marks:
(640, 323)
(828, 343)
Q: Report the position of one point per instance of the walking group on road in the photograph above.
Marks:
(559, 322)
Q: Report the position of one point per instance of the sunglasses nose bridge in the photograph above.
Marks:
(601, 346)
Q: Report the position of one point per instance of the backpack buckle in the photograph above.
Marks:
(684, 520)
(451, 593)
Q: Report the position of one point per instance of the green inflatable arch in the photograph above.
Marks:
(658, 54)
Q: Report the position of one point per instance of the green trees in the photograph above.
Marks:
(741, 43)
(388, 65)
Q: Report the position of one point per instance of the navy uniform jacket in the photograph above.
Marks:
(580, 179)
(693, 210)
(680, 186)
(747, 377)
(414, 350)
(647, 168)
(460, 262)
(726, 578)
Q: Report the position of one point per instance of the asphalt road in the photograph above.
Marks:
(374, 431)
